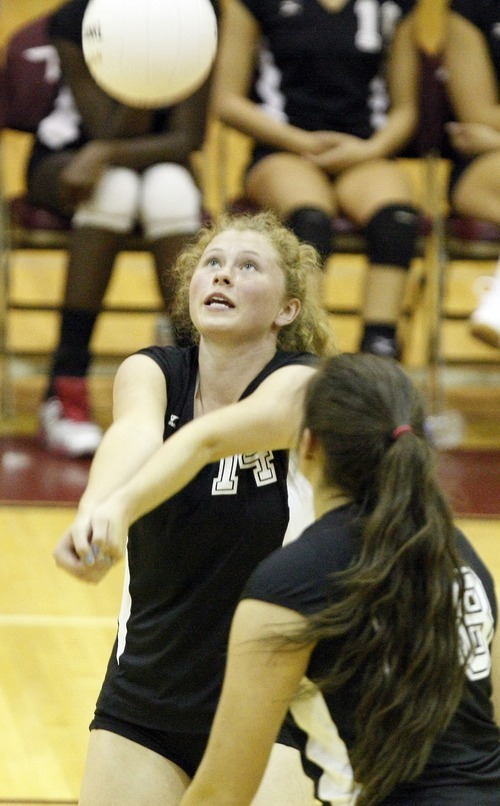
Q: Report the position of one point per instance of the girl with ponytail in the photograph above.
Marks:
(373, 630)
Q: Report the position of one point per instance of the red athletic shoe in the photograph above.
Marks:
(65, 424)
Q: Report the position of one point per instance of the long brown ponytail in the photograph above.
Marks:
(398, 614)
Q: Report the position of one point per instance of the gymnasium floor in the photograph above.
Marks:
(56, 632)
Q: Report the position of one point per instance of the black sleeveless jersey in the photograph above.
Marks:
(187, 563)
(464, 766)
(322, 70)
(485, 15)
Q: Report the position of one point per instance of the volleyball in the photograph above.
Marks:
(149, 53)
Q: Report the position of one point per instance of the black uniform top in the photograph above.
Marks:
(485, 15)
(464, 765)
(188, 560)
(320, 70)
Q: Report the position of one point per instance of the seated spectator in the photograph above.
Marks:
(303, 80)
(109, 168)
(473, 65)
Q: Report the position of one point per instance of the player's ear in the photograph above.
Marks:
(306, 445)
(288, 313)
(307, 451)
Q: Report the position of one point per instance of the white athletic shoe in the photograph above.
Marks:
(485, 320)
(65, 425)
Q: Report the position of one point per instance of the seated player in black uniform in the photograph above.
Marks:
(374, 628)
(108, 168)
(473, 69)
(303, 78)
(251, 290)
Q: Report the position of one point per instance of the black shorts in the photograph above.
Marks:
(259, 152)
(184, 749)
(459, 165)
(41, 152)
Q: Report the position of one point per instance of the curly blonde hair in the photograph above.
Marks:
(300, 263)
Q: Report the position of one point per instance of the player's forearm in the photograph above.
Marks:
(476, 109)
(166, 471)
(398, 131)
(248, 118)
(268, 419)
(122, 452)
(237, 430)
(491, 117)
(141, 152)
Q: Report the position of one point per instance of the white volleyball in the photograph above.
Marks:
(149, 53)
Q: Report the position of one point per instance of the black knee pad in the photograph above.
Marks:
(313, 226)
(391, 235)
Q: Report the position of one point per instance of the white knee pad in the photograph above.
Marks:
(114, 203)
(170, 202)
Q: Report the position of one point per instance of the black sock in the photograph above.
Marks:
(381, 340)
(72, 356)
(372, 331)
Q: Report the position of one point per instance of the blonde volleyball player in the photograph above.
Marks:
(194, 469)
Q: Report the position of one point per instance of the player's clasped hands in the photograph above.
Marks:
(341, 151)
(94, 542)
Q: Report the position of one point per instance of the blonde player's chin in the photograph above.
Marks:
(230, 334)
(217, 324)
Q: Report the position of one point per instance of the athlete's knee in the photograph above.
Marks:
(113, 204)
(170, 202)
(391, 235)
(313, 226)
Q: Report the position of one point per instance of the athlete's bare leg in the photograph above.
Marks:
(119, 771)
(477, 192)
(286, 182)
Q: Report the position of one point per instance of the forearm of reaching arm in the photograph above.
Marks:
(122, 452)
(139, 406)
(260, 681)
(269, 419)
(136, 433)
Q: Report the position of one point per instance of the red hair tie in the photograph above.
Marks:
(401, 429)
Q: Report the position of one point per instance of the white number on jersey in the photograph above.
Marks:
(476, 627)
(262, 464)
(370, 36)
